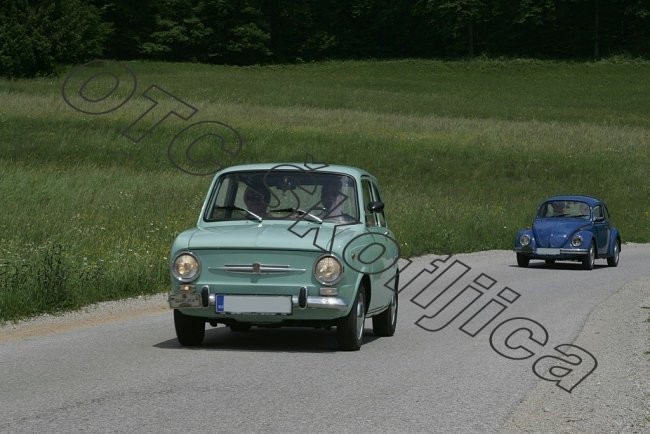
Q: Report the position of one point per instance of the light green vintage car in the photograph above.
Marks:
(287, 245)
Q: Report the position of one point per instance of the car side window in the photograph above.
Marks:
(598, 211)
(371, 219)
(381, 218)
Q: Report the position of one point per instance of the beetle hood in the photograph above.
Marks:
(555, 232)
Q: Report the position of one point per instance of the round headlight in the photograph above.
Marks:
(524, 240)
(328, 270)
(576, 241)
(186, 267)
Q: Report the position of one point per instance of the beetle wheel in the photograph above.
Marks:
(613, 260)
(522, 260)
(588, 261)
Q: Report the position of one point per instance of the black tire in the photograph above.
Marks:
(522, 260)
(385, 323)
(349, 331)
(190, 330)
(613, 260)
(549, 261)
(239, 327)
(588, 261)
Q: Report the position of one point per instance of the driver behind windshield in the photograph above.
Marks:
(257, 200)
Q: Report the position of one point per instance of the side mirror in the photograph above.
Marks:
(376, 206)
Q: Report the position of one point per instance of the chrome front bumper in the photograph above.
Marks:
(562, 252)
(300, 301)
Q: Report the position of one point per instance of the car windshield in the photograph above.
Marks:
(564, 208)
(283, 195)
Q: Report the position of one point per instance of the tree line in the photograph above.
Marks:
(37, 35)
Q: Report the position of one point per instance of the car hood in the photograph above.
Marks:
(554, 232)
(277, 236)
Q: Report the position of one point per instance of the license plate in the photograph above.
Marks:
(253, 304)
(190, 299)
(546, 251)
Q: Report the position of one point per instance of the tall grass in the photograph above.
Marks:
(464, 151)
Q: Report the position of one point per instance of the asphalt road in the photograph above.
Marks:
(120, 368)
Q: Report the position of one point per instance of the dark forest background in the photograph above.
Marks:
(38, 35)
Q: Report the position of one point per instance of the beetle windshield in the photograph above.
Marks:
(284, 194)
(564, 208)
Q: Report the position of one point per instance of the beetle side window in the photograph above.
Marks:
(598, 212)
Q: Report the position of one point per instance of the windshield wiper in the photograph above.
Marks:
(236, 208)
(301, 212)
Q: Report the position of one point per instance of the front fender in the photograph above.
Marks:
(614, 236)
(588, 238)
(517, 243)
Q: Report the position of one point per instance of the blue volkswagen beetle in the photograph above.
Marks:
(287, 245)
(575, 228)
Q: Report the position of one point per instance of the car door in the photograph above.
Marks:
(383, 267)
(601, 229)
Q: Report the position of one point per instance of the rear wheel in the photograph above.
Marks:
(384, 324)
(349, 332)
(588, 261)
(613, 260)
(522, 260)
(190, 330)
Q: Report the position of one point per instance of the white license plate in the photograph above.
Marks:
(546, 251)
(264, 304)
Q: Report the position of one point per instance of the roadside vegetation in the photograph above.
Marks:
(464, 151)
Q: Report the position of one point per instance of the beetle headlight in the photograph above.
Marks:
(576, 241)
(524, 240)
(186, 267)
(328, 270)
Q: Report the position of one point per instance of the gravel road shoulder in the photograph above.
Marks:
(616, 397)
(89, 316)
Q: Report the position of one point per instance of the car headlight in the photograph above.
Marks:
(186, 267)
(524, 240)
(328, 270)
(576, 241)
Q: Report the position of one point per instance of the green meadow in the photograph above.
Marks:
(464, 151)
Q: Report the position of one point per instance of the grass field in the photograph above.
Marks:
(464, 151)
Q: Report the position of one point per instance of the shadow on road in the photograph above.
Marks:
(290, 340)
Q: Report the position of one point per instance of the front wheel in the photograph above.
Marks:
(613, 260)
(588, 261)
(522, 260)
(349, 332)
(190, 330)
(385, 323)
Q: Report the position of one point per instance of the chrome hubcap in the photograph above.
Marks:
(360, 317)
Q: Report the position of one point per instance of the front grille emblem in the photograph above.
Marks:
(256, 268)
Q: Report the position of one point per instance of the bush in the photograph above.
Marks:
(35, 37)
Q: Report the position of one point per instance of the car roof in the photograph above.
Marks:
(590, 200)
(319, 167)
